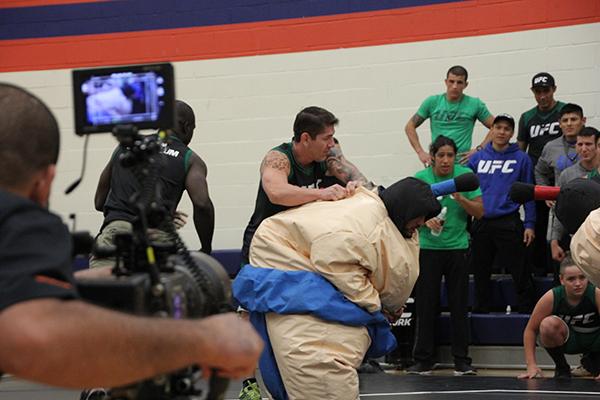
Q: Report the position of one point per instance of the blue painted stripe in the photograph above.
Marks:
(142, 15)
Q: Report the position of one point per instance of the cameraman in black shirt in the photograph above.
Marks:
(51, 336)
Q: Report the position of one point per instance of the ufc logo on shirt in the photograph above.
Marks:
(491, 166)
(313, 185)
(540, 130)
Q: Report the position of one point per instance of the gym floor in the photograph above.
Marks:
(391, 386)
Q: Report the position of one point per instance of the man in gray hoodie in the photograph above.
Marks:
(560, 153)
(586, 145)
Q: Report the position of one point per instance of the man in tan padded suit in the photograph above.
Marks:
(321, 279)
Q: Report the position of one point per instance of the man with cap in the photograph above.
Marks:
(560, 153)
(537, 127)
(540, 124)
(500, 233)
(321, 279)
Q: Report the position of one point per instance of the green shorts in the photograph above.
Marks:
(578, 343)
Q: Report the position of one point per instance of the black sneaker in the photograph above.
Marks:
(463, 368)
(562, 373)
(370, 367)
(420, 368)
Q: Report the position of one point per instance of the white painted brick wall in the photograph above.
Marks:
(244, 106)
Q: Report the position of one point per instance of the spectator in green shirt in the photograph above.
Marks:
(444, 242)
(452, 114)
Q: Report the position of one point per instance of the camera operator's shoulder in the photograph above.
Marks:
(21, 216)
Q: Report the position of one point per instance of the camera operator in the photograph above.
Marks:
(48, 334)
(182, 170)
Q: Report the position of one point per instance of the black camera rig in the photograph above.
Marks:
(161, 279)
(158, 279)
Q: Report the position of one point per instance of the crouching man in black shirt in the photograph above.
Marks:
(48, 334)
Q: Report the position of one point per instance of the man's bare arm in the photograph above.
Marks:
(75, 344)
(344, 170)
(488, 123)
(103, 187)
(463, 158)
(204, 211)
(411, 132)
(274, 172)
(488, 136)
(473, 207)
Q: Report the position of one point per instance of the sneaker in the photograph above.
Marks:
(464, 368)
(591, 362)
(580, 372)
(562, 373)
(420, 368)
(370, 367)
(250, 390)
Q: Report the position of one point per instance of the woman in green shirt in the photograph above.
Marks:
(444, 242)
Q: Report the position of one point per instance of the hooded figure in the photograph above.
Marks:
(408, 199)
(577, 199)
(577, 209)
(320, 277)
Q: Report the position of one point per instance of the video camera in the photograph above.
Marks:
(152, 279)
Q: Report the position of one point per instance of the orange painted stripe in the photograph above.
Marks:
(443, 21)
(37, 3)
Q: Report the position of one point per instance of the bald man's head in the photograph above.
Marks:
(185, 121)
(29, 136)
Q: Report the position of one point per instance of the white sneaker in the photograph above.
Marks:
(580, 371)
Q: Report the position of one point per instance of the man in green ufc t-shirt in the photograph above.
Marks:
(452, 114)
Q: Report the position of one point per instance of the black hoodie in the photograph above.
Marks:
(577, 199)
(408, 199)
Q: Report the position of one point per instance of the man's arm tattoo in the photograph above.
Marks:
(344, 170)
(417, 120)
(276, 160)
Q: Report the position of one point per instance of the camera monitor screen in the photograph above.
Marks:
(140, 95)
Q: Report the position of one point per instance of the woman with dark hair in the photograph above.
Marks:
(444, 242)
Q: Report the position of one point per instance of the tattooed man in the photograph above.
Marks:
(310, 167)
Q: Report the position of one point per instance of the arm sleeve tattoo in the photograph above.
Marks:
(275, 160)
(417, 120)
(344, 170)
